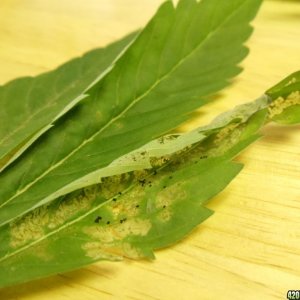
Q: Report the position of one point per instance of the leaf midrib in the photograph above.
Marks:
(23, 125)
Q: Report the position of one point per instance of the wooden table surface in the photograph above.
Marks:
(250, 247)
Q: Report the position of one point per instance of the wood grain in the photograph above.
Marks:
(250, 247)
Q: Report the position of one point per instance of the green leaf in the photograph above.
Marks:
(132, 214)
(31, 105)
(183, 55)
(144, 219)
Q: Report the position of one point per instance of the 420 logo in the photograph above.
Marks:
(293, 295)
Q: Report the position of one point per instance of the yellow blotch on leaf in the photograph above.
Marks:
(280, 104)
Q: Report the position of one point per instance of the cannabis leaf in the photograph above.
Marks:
(132, 214)
(32, 104)
(182, 56)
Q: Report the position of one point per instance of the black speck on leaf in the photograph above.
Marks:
(97, 220)
(142, 182)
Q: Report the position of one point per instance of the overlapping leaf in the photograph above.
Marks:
(31, 105)
(183, 55)
(132, 214)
